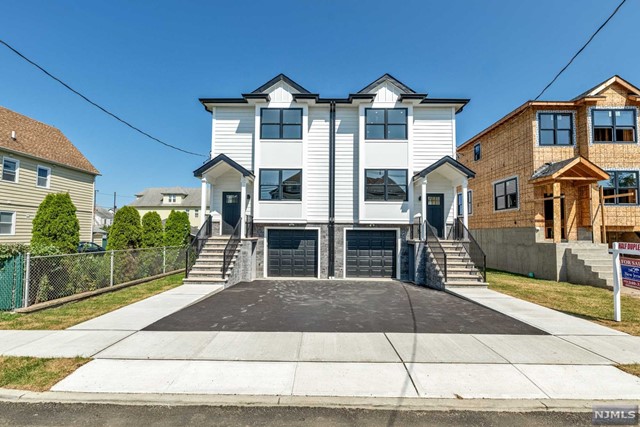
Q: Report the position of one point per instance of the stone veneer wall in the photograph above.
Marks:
(243, 269)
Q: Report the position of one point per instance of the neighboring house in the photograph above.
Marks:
(537, 203)
(37, 159)
(166, 199)
(330, 187)
(102, 219)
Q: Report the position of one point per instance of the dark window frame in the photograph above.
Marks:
(506, 195)
(621, 190)
(386, 183)
(280, 185)
(469, 203)
(386, 124)
(613, 126)
(477, 154)
(555, 129)
(281, 124)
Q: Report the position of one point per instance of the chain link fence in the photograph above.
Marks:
(57, 276)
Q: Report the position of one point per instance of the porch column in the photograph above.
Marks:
(203, 200)
(557, 213)
(211, 197)
(465, 203)
(454, 205)
(243, 205)
(423, 200)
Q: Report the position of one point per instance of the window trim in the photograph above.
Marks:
(386, 124)
(479, 154)
(469, 203)
(17, 162)
(555, 115)
(613, 127)
(170, 197)
(281, 124)
(13, 223)
(616, 188)
(386, 177)
(280, 185)
(48, 169)
(504, 181)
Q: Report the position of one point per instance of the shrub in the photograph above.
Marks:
(177, 229)
(8, 251)
(56, 224)
(125, 232)
(152, 233)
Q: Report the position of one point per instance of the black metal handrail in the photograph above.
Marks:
(416, 231)
(198, 242)
(230, 248)
(435, 247)
(462, 234)
(249, 231)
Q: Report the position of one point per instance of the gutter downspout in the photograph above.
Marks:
(332, 194)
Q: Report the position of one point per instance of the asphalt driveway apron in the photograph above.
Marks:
(339, 306)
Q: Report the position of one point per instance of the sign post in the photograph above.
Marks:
(626, 272)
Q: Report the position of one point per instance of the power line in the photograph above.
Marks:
(581, 49)
(96, 104)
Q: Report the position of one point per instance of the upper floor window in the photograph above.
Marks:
(281, 123)
(614, 125)
(43, 177)
(385, 184)
(171, 198)
(7, 224)
(196, 213)
(281, 184)
(621, 183)
(477, 152)
(385, 123)
(555, 128)
(469, 203)
(505, 194)
(10, 169)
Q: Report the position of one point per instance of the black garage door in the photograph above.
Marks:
(371, 253)
(292, 253)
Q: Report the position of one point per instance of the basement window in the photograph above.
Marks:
(616, 126)
(623, 183)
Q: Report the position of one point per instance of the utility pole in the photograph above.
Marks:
(114, 202)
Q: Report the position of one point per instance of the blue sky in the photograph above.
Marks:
(149, 61)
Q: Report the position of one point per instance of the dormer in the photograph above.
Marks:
(173, 196)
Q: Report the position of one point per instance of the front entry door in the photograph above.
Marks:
(435, 212)
(230, 211)
(549, 217)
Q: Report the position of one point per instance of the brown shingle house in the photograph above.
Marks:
(37, 159)
(556, 181)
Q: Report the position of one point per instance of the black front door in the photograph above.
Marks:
(435, 212)
(230, 211)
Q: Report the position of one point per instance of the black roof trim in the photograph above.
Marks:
(222, 100)
(281, 78)
(297, 96)
(462, 101)
(384, 78)
(221, 158)
(412, 96)
(446, 159)
(263, 96)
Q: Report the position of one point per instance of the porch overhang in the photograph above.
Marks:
(448, 167)
(220, 165)
(577, 169)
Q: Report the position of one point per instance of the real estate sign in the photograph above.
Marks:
(626, 272)
(630, 272)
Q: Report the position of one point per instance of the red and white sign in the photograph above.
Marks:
(626, 247)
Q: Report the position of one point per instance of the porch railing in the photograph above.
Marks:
(435, 247)
(416, 230)
(230, 248)
(198, 242)
(462, 234)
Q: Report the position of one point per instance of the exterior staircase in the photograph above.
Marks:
(590, 265)
(208, 267)
(461, 271)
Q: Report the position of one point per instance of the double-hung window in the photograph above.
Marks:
(281, 184)
(555, 128)
(7, 223)
(10, 169)
(505, 194)
(281, 123)
(469, 203)
(623, 183)
(171, 198)
(614, 125)
(385, 184)
(386, 123)
(43, 178)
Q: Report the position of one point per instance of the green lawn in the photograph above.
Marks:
(75, 312)
(590, 303)
(30, 373)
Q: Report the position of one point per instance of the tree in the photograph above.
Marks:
(125, 232)
(152, 234)
(177, 229)
(56, 224)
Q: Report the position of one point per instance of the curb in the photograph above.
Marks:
(379, 403)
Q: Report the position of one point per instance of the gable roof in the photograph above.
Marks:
(39, 140)
(448, 160)
(280, 78)
(386, 78)
(595, 91)
(218, 159)
(152, 197)
(575, 168)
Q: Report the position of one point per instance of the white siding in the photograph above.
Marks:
(386, 92)
(233, 129)
(346, 164)
(281, 93)
(439, 185)
(433, 135)
(317, 173)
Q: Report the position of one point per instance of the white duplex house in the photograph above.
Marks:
(330, 187)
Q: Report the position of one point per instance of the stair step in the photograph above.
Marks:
(463, 276)
(462, 284)
(203, 281)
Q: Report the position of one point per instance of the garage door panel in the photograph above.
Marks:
(370, 253)
(292, 253)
